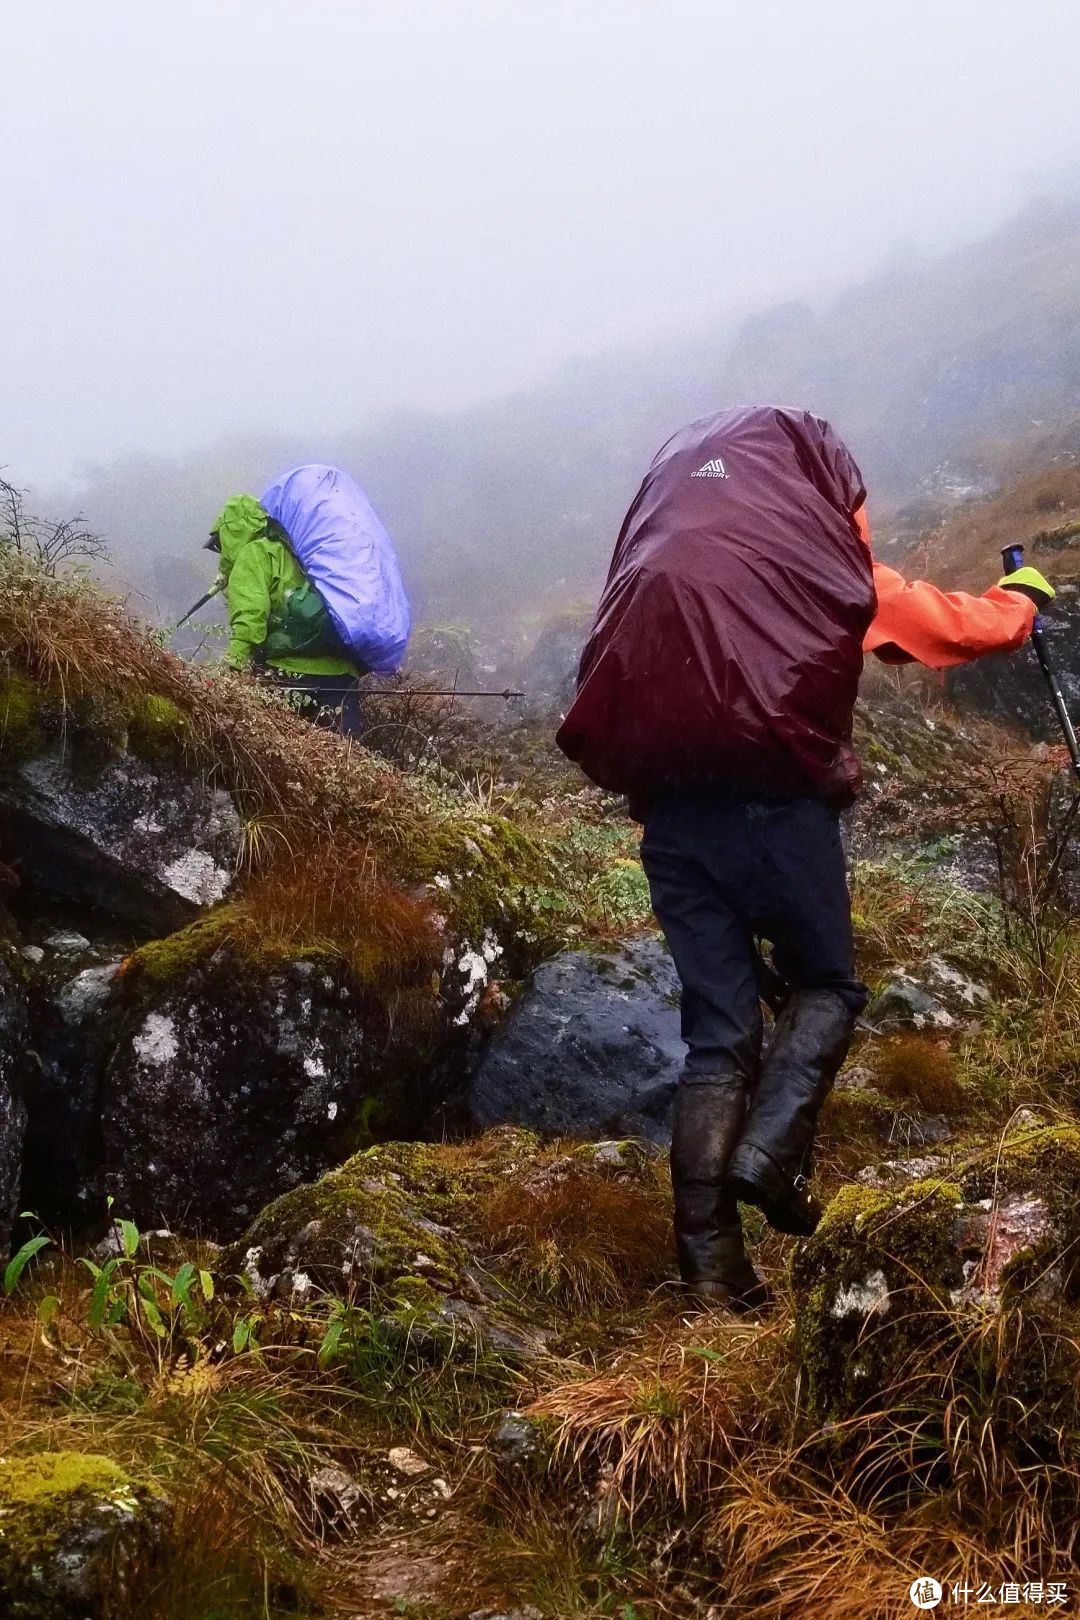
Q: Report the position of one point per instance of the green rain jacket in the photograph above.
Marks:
(260, 574)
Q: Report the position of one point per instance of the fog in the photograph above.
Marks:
(258, 216)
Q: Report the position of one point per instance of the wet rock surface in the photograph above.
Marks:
(518, 1439)
(62, 1174)
(13, 1081)
(591, 1049)
(150, 845)
(939, 997)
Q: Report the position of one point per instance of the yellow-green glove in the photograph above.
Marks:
(1030, 583)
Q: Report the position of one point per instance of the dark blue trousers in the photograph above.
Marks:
(333, 703)
(727, 872)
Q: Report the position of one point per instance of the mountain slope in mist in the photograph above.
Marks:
(937, 372)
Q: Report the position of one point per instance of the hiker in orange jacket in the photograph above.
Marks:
(716, 691)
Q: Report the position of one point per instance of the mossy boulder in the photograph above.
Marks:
(394, 1210)
(866, 1286)
(467, 1241)
(354, 1233)
(894, 1278)
(73, 1529)
(395, 1230)
(232, 1079)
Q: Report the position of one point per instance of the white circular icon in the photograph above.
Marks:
(925, 1592)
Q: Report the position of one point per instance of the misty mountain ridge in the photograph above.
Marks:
(944, 375)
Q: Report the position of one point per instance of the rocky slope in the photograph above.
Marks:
(341, 1095)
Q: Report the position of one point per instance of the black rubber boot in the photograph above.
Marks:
(713, 1262)
(770, 1167)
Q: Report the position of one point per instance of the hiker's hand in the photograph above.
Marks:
(1030, 583)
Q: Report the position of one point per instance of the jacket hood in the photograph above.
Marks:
(241, 519)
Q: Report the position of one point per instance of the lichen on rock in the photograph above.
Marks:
(229, 1081)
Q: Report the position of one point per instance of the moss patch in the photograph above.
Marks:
(157, 730)
(49, 1476)
(229, 929)
(1043, 1162)
(22, 732)
(164, 961)
(44, 1498)
(492, 878)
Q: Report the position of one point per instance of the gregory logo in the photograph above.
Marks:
(712, 469)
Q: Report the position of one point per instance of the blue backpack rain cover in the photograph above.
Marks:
(349, 558)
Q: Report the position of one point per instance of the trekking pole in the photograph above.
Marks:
(1012, 558)
(411, 692)
(219, 585)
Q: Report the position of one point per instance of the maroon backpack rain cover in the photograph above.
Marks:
(727, 647)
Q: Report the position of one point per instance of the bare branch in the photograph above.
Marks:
(50, 546)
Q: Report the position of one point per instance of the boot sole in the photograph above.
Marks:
(754, 1179)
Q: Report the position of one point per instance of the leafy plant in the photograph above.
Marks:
(144, 1297)
(21, 1259)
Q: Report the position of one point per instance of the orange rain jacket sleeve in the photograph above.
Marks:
(916, 622)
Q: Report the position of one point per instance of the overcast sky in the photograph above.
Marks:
(293, 213)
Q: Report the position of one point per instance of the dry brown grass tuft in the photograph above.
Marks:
(331, 897)
(580, 1237)
(913, 1069)
(666, 1421)
(790, 1545)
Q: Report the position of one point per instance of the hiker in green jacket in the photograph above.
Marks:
(278, 619)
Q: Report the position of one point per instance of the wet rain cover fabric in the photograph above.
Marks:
(727, 646)
(349, 558)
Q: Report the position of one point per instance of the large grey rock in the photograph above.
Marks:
(591, 1049)
(144, 843)
(62, 1172)
(13, 1057)
(228, 1083)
